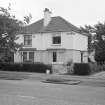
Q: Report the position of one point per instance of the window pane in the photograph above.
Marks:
(27, 39)
(31, 56)
(57, 40)
(24, 56)
(54, 56)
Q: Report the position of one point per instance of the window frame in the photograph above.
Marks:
(32, 59)
(27, 40)
(24, 56)
(27, 57)
(54, 56)
(56, 40)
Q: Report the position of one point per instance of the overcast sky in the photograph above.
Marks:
(78, 12)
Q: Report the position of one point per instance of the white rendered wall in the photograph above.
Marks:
(68, 41)
(44, 41)
(80, 42)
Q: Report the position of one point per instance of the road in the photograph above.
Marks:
(30, 92)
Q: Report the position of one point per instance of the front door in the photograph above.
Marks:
(54, 56)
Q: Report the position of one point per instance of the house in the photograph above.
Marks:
(52, 40)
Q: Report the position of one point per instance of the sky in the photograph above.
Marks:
(77, 12)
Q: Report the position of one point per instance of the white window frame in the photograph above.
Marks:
(54, 35)
(27, 38)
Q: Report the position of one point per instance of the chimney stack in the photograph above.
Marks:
(47, 17)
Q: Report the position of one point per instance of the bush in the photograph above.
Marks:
(25, 67)
(82, 69)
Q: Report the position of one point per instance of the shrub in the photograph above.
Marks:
(82, 69)
(25, 67)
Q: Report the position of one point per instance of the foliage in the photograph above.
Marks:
(96, 40)
(100, 46)
(82, 69)
(99, 30)
(27, 18)
(9, 28)
(100, 51)
(25, 67)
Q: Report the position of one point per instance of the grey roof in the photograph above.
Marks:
(57, 24)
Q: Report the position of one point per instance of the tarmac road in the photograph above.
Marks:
(30, 92)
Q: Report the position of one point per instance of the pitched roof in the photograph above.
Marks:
(57, 24)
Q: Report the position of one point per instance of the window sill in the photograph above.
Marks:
(57, 63)
(56, 45)
(27, 45)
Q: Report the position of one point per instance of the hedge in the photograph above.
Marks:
(82, 69)
(25, 67)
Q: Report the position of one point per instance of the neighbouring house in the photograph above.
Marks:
(52, 40)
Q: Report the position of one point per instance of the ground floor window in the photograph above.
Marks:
(54, 56)
(24, 56)
(31, 56)
(28, 56)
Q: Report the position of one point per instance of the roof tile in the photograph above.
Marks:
(57, 24)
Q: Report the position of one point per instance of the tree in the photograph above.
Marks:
(9, 28)
(100, 46)
(100, 51)
(97, 40)
(27, 18)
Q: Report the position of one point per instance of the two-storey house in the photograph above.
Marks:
(51, 40)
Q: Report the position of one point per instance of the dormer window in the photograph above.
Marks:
(27, 40)
(56, 39)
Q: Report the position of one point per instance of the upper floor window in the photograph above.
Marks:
(27, 40)
(56, 39)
